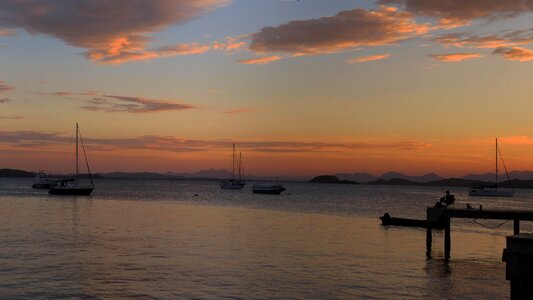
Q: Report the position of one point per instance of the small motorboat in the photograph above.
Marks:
(272, 189)
(42, 181)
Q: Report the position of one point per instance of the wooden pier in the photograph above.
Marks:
(444, 215)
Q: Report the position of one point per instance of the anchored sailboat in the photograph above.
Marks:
(74, 186)
(494, 192)
(235, 183)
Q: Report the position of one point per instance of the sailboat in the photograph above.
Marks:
(234, 183)
(73, 186)
(494, 192)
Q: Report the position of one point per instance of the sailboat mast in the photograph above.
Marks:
(233, 162)
(77, 165)
(496, 182)
(240, 166)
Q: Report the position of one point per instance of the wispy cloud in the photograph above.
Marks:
(4, 100)
(29, 139)
(111, 103)
(455, 57)
(240, 111)
(488, 41)
(368, 58)
(164, 51)
(111, 31)
(259, 60)
(4, 87)
(11, 118)
(346, 30)
(515, 53)
(6, 32)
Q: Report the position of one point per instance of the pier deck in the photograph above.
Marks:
(437, 214)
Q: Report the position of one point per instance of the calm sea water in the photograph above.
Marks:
(164, 239)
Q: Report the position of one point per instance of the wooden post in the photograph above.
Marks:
(429, 240)
(429, 237)
(447, 237)
(516, 226)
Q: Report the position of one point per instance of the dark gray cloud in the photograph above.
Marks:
(346, 30)
(114, 30)
(461, 11)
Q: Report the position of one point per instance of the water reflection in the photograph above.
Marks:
(317, 243)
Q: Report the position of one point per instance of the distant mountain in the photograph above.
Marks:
(138, 175)
(15, 173)
(458, 182)
(358, 177)
(331, 179)
(449, 182)
(394, 181)
(423, 178)
(521, 175)
(209, 173)
(480, 177)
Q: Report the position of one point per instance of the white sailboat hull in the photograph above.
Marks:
(232, 185)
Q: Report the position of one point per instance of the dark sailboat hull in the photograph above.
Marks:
(71, 192)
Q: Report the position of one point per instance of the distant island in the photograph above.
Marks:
(523, 179)
(15, 173)
(331, 179)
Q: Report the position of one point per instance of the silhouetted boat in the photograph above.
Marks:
(234, 183)
(272, 189)
(494, 192)
(74, 186)
(387, 220)
(42, 181)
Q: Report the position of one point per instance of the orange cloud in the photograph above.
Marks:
(517, 140)
(140, 54)
(456, 57)
(518, 37)
(232, 44)
(457, 12)
(515, 53)
(260, 60)
(4, 87)
(240, 111)
(368, 58)
(6, 32)
(111, 31)
(344, 31)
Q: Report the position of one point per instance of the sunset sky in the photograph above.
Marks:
(303, 87)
